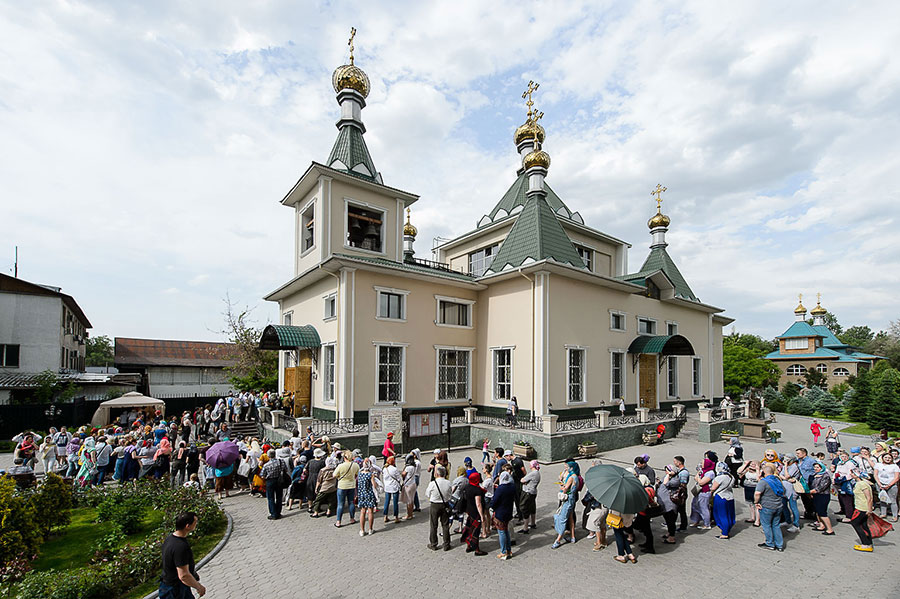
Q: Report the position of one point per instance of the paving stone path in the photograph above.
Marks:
(300, 556)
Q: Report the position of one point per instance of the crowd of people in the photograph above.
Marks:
(310, 472)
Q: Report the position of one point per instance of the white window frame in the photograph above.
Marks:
(437, 372)
(512, 350)
(796, 342)
(331, 299)
(801, 367)
(671, 323)
(623, 378)
(624, 318)
(401, 292)
(378, 345)
(496, 248)
(328, 378)
(845, 372)
(311, 206)
(456, 300)
(347, 203)
(587, 251)
(671, 376)
(583, 383)
(696, 376)
(648, 319)
(822, 367)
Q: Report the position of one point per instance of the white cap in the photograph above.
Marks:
(437, 451)
(507, 452)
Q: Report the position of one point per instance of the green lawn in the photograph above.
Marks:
(857, 428)
(78, 541)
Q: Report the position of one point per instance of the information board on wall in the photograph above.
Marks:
(383, 421)
(423, 425)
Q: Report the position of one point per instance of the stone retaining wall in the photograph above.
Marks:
(711, 432)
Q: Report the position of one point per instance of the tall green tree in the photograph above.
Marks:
(814, 378)
(858, 406)
(824, 402)
(887, 344)
(774, 400)
(857, 336)
(790, 390)
(744, 368)
(884, 411)
(99, 351)
(802, 405)
(254, 368)
(754, 342)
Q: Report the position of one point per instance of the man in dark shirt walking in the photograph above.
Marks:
(178, 574)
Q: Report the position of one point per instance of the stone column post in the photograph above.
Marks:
(643, 414)
(549, 423)
(276, 417)
(729, 413)
(302, 423)
(678, 410)
(602, 418)
(745, 408)
(470, 415)
(705, 414)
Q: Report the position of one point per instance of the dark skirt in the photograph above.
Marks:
(820, 503)
(831, 446)
(297, 490)
(224, 483)
(529, 504)
(749, 493)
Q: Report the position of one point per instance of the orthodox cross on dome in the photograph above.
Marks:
(658, 193)
(818, 298)
(350, 42)
(532, 87)
(800, 297)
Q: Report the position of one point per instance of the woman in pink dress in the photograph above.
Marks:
(816, 429)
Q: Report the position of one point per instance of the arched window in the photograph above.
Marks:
(796, 370)
(841, 372)
(823, 368)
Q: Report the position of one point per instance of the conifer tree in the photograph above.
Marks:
(801, 405)
(884, 410)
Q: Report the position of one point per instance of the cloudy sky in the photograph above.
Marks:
(144, 147)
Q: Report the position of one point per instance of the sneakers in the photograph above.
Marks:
(791, 528)
(764, 546)
(557, 545)
(867, 548)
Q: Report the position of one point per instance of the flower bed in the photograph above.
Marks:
(117, 564)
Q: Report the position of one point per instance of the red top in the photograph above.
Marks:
(388, 450)
(815, 427)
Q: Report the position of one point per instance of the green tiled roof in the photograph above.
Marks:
(282, 336)
(410, 267)
(829, 339)
(350, 148)
(515, 196)
(659, 259)
(801, 328)
(536, 235)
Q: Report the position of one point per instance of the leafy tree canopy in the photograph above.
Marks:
(99, 351)
(744, 368)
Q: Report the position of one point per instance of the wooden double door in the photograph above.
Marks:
(647, 384)
(298, 380)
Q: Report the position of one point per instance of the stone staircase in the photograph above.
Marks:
(244, 429)
(691, 428)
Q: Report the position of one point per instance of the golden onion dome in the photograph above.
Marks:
(537, 158)
(818, 310)
(658, 220)
(530, 130)
(350, 76)
(409, 229)
(800, 309)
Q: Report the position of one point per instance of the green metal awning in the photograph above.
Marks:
(282, 336)
(666, 345)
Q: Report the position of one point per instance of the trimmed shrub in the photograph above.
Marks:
(51, 503)
(801, 405)
(774, 400)
(20, 534)
(824, 402)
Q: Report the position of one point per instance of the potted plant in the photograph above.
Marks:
(524, 449)
(774, 434)
(727, 435)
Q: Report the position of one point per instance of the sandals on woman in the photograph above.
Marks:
(620, 559)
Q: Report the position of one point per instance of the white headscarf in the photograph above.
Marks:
(505, 477)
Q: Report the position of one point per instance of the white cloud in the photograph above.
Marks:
(154, 142)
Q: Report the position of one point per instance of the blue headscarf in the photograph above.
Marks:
(574, 467)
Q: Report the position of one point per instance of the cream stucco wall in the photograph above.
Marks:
(458, 255)
(604, 252)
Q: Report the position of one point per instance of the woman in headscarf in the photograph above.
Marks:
(844, 483)
(457, 490)
(409, 491)
(313, 468)
(476, 510)
(87, 463)
(670, 483)
(258, 483)
(791, 474)
(735, 457)
(750, 474)
(297, 490)
(530, 484)
(820, 489)
(771, 457)
(325, 488)
(502, 504)
(700, 504)
(162, 458)
(832, 442)
(723, 499)
(366, 501)
(642, 520)
(564, 519)
(72, 449)
(224, 479)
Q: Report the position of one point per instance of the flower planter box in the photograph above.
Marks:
(524, 451)
(587, 450)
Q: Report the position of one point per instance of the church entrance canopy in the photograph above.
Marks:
(282, 336)
(663, 345)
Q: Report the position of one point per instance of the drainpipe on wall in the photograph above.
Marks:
(533, 378)
(337, 313)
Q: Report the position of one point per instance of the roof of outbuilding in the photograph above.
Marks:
(535, 236)
(164, 352)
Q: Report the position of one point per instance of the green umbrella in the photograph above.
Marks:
(616, 488)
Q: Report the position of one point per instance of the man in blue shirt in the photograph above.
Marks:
(502, 460)
(807, 469)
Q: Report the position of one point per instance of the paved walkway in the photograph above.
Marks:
(302, 556)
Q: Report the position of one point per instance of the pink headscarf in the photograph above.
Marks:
(165, 448)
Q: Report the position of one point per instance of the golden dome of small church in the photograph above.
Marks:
(532, 302)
